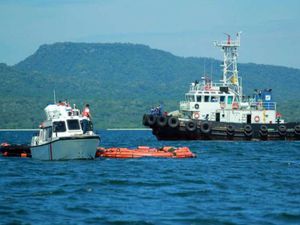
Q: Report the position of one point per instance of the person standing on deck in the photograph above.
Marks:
(86, 117)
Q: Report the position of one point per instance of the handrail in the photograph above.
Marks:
(264, 105)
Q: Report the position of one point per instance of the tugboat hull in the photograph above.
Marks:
(208, 130)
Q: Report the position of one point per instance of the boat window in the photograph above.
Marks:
(206, 98)
(198, 98)
(190, 98)
(214, 99)
(229, 99)
(44, 134)
(59, 126)
(222, 98)
(47, 133)
(73, 125)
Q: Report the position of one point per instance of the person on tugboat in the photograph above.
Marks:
(157, 111)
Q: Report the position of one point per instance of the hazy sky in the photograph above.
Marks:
(271, 28)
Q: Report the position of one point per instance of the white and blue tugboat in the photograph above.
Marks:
(219, 111)
(65, 135)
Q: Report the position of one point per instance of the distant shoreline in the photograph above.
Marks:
(19, 129)
(128, 129)
(109, 129)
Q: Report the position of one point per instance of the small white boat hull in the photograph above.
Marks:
(67, 148)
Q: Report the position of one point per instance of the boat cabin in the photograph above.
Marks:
(214, 102)
(62, 121)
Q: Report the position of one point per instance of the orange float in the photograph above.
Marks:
(145, 151)
(14, 150)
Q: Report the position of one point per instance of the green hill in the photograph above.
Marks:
(120, 81)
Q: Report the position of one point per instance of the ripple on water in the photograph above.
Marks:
(228, 183)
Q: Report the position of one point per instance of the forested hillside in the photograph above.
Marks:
(121, 82)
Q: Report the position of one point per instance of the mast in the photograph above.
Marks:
(230, 71)
(54, 96)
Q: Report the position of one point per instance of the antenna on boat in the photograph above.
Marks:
(211, 70)
(204, 67)
(54, 96)
(230, 71)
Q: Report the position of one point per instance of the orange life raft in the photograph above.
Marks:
(145, 151)
(14, 150)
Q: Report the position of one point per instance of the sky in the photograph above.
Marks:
(270, 28)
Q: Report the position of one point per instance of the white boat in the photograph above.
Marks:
(61, 136)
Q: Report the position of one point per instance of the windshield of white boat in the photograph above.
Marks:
(59, 126)
(89, 125)
(46, 133)
(73, 124)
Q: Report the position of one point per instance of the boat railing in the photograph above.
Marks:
(231, 43)
(199, 87)
(184, 105)
(263, 105)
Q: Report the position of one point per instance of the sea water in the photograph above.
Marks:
(228, 183)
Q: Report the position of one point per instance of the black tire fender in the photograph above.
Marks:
(230, 130)
(173, 122)
(151, 120)
(191, 126)
(205, 127)
(282, 130)
(297, 129)
(145, 120)
(263, 131)
(248, 131)
(162, 121)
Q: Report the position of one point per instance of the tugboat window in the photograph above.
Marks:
(222, 98)
(73, 125)
(214, 99)
(59, 126)
(198, 98)
(229, 99)
(206, 98)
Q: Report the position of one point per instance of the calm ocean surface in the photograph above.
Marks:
(228, 183)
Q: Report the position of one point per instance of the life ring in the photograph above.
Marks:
(256, 119)
(235, 105)
(196, 115)
(196, 106)
(207, 87)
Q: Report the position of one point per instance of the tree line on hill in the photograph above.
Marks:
(121, 82)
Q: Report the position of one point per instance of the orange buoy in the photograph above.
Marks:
(23, 155)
